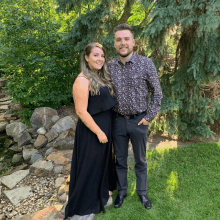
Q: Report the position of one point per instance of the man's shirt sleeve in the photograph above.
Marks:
(155, 91)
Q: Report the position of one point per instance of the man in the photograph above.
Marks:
(134, 78)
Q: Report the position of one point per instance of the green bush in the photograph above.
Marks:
(36, 59)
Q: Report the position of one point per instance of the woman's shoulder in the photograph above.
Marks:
(81, 79)
(82, 75)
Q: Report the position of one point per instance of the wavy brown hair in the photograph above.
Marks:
(99, 78)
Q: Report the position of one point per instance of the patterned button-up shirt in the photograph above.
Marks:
(133, 83)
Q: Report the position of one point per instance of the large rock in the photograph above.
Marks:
(41, 168)
(59, 181)
(61, 157)
(63, 124)
(14, 129)
(17, 158)
(42, 131)
(2, 119)
(67, 134)
(49, 151)
(4, 107)
(24, 217)
(19, 194)
(5, 102)
(51, 135)
(58, 169)
(3, 126)
(15, 148)
(35, 157)
(50, 122)
(24, 138)
(49, 213)
(64, 144)
(40, 116)
(28, 151)
(11, 180)
(41, 141)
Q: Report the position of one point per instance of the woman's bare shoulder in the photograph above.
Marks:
(81, 80)
(82, 75)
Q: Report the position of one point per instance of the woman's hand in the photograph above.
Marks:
(102, 137)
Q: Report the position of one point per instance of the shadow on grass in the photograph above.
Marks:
(183, 183)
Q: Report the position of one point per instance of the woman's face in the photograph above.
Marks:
(96, 58)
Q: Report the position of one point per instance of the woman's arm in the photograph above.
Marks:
(80, 96)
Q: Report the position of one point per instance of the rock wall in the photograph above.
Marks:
(42, 153)
(6, 107)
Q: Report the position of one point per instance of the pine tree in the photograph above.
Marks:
(186, 107)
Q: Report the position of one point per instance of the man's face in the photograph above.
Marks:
(124, 43)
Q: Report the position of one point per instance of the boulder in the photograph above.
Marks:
(51, 135)
(40, 116)
(50, 121)
(41, 168)
(41, 141)
(14, 129)
(58, 169)
(42, 131)
(50, 213)
(17, 158)
(24, 138)
(19, 194)
(15, 148)
(59, 181)
(35, 157)
(11, 180)
(3, 126)
(28, 151)
(63, 124)
(61, 157)
(64, 144)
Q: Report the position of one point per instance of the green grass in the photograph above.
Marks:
(183, 184)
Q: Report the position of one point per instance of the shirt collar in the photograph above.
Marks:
(132, 59)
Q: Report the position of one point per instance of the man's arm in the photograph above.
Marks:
(156, 93)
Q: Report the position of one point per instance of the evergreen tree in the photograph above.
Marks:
(41, 52)
(187, 108)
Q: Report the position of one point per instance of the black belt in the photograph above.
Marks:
(129, 116)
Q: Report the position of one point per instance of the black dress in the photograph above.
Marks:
(92, 171)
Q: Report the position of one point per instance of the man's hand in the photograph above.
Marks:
(144, 122)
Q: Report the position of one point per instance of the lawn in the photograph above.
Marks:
(183, 184)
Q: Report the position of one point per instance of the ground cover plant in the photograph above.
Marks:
(183, 185)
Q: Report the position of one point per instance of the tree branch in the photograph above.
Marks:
(127, 12)
(147, 13)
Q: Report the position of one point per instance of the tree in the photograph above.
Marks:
(187, 108)
(41, 49)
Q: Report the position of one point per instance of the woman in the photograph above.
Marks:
(93, 96)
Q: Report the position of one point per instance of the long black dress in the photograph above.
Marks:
(91, 175)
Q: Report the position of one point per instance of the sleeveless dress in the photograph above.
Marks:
(92, 170)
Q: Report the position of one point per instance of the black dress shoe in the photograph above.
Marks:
(145, 201)
(119, 200)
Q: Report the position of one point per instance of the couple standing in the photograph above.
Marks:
(124, 87)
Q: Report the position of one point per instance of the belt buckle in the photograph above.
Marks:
(127, 116)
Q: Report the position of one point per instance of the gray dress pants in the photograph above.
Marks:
(123, 130)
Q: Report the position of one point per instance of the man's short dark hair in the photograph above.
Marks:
(122, 27)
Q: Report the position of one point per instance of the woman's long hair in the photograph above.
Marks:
(96, 79)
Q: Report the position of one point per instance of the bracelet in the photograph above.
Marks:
(99, 132)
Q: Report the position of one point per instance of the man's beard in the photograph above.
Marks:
(124, 55)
